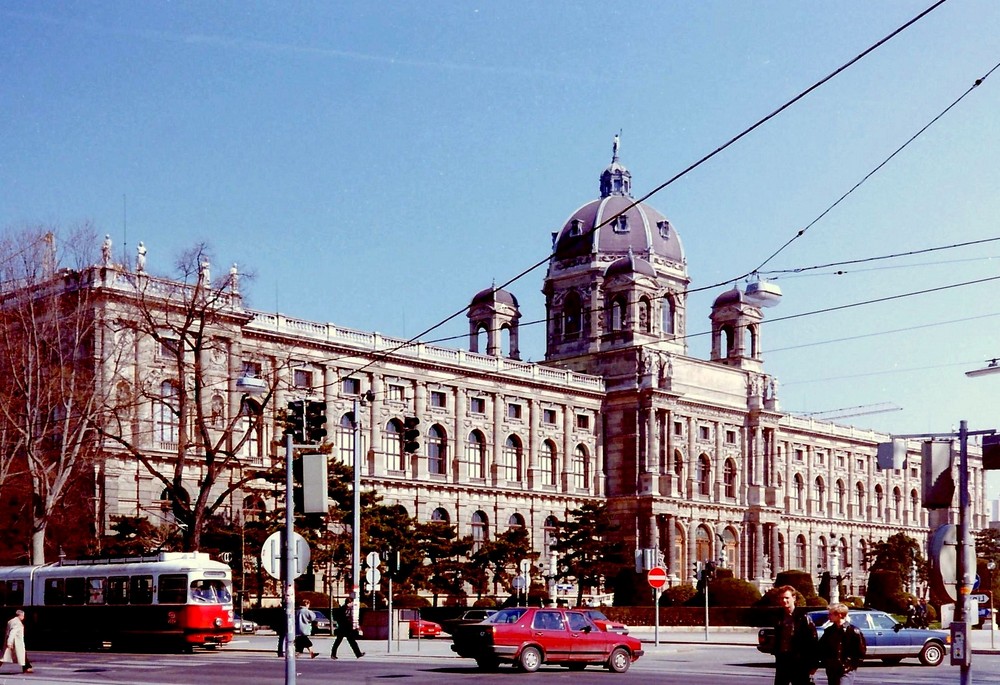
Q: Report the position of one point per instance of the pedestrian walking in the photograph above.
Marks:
(304, 619)
(794, 642)
(842, 648)
(14, 643)
(345, 630)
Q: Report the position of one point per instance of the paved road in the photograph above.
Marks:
(681, 658)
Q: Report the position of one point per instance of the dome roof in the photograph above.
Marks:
(615, 223)
(733, 296)
(630, 264)
(494, 296)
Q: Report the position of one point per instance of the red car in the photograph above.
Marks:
(529, 637)
(605, 623)
(422, 628)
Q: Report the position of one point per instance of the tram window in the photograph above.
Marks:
(95, 588)
(76, 591)
(55, 591)
(173, 589)
(11, 593)
(118, 590)
(141, 589)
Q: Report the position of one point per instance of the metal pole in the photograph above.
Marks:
(356, 526)
(706, 609)
(389, 646)
(964, 545)
(656, 613)
(288, 582)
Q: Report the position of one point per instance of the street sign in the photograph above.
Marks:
(981, 598)
(372, 559)
(525, 566)
(518, 582)
(272, 555)
(975, 583)
(373, 576)
(657, 577)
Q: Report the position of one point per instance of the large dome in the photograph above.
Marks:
(615, 223)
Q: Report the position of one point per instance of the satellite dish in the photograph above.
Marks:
(763, 293)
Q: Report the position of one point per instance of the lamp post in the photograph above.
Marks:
(834, 570)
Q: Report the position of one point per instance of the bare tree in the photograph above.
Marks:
(178, 411)
(49, 400)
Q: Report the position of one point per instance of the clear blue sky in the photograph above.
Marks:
(376, 164)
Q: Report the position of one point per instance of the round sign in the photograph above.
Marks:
(518, 583)
(272, 555)
(373, 577)
(657, 577)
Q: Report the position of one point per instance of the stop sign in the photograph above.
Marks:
(657, 577)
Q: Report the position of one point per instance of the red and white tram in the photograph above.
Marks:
(174, 600)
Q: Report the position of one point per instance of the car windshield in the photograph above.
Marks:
(320, 616)
(210, 591)
(507, 615)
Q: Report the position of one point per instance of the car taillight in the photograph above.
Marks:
(947, 639)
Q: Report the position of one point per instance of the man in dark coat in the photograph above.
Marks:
(794, 643)
(842, 648)
(345, 630)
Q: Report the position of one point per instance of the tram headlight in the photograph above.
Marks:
(218, 622)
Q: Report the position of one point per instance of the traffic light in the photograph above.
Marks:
(411, 434)
(937, 480)
(315, 420)
(295, 422)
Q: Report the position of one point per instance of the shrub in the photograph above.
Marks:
(410, 602)
(678, 595)
(732, 592)
(853, 602)
(485, 603)
(800, 580)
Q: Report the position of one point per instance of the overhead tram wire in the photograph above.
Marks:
(682, 173)
(871, 173)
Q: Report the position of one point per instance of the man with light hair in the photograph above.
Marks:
(841, 648)
(14, 643)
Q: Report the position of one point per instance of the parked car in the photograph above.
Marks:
(603, 622)
(244, 625)
(420, 627)
(887, 639)
(530, 636)
(322, 625)
(468, 618)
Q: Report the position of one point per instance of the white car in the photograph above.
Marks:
(244, 625)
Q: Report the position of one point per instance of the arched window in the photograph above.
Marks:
(481, 341)
(392, 446)
(704, 475)
(345, 439)
(581, 475)
(617, 313)
(841, 496)
(515, 521)
(800, 493)
(166, 413)
(252, 430)
(479, 530)
(440, 515)
(897, 503)
(512, 458)
(254, 508)
(550, 532)
(822, 557)
(862, 555)
(475, 455)
(729, 479)
(729, 552)
(703, 544)
(645, 325)
(678, 464)
(915, 505)
(879, 501)
(572, 316)
(819, 492)
(437, 450)
(779, 563)
(218, 419)
(860, 494)
(800, 553)
(548, 463)
(669, 314)
(729, 339)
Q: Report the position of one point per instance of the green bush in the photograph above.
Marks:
(410, 602)
(800, 580)
(678, 595)
(853, 602)
(485, 603)
(732, 592)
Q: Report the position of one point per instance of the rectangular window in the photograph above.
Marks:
(549, 416)
(730, 437)
(141, 589)
(253, 369)
(678, 428)
(13, 593)
(861, 464)
(439, 399)
(55, 592)
(76, 591)
(168, 347)
(820, 457)
(477, 405)
(394, 393)
(582, 421)
(117, 590)
(800, 455)
(302, 378)
(95, 590)
(705, 432)
(173, 589)
(514, 411)
(840, 460)
(351, 386)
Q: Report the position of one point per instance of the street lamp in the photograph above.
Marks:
(834, 570)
